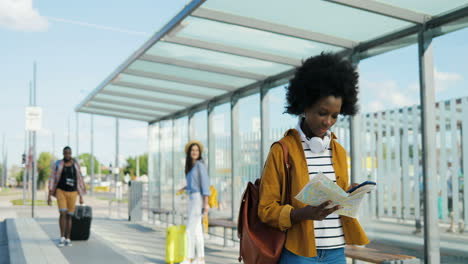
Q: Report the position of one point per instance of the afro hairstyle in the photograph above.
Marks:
(321, 76)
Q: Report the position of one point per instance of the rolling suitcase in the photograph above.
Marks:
(176, 244)
(81, 223)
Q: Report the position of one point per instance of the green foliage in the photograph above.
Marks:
(85, 160)
(19, 176)
(44, 167)
(131, 165)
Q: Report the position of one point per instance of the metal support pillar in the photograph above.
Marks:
(190, 126)
(91, 169)
(426, 79)
(173, 126)
(355, 137)
(34, 138)
(235, 140)
(211, 142)
(116, 163)
(77, 147)
(265, 125)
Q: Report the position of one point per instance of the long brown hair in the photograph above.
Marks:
(188, 158)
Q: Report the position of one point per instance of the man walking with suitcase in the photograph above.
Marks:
(66, 183)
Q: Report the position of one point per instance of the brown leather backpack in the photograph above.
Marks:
(259, 242)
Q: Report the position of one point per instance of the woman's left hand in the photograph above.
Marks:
(206, 208)
(352, 186)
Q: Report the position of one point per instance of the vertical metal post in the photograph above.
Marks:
(426, 79)
(2, 179)
(160, 162)
(442, 159)
(77, 130)
(234, 153)
(264, 124)
(465, 159)
(355, 135)
(455, 160)
(34, 173)
(116, 163)
(25, 168)
(172, 169)
(190, 126)
(92, 156)
(29, 153)
(211, 143)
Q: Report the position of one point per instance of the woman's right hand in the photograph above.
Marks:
(313, 212)
(49, 200)
(180, 191)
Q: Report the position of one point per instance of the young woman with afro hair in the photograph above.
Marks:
(324, 87)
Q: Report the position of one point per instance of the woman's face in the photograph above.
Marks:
(321, 116)
(195, 152)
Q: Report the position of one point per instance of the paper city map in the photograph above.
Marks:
(321, 189)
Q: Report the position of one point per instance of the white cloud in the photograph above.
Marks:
(387, 95)
(375, 106)
(443, 80)
(85, 24)
(20, 15)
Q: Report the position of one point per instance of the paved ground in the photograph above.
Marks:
(115, 240)
(3, 244)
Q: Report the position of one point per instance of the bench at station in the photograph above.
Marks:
(28, 243)
(225, 224)
(161, 211)
(376, 256)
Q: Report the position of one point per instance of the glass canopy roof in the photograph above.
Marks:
(213, 48)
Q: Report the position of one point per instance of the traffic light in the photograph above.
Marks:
(23, 161)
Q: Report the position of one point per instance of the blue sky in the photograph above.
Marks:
(78, 44)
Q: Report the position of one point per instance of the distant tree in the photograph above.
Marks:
(44, 167)
(85, 160)
(131, 165)
(19, 177)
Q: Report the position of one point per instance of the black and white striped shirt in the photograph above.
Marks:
(328, 232)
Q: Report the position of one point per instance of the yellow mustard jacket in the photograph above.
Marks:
(300, 238)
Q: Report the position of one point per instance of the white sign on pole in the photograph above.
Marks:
(83, 171)
(33, 118)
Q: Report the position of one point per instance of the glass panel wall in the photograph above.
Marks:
(180, 139)
(166, 165)
(220, 175)
(154, 166)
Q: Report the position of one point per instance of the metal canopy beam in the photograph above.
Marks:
(168, 91)
(272, 27)
(120, 110)
(385, 10)
(203, 67)
(145, 98)
(104, 113)
(171, 78)
(194, 4)
(232, 50)
(137, 106)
